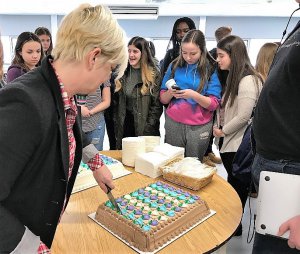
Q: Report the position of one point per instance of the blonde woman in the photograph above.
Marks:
(136, 101)
(265, 58)
(41, 145)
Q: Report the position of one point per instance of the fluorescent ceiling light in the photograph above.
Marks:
(134, 12)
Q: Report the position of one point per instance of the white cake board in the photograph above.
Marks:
(117, 173)
(92, 216)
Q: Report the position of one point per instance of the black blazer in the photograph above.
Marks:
(34, 157)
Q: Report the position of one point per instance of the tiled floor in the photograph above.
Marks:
(236, 245)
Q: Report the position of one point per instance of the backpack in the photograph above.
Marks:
(243, 159)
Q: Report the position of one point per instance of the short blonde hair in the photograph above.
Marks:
(86, 28)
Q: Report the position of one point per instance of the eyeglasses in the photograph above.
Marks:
(185, 30)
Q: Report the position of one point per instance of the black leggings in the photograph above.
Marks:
(209, 148)
(211, 140)
(241, 189)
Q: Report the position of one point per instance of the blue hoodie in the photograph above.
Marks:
(188, 111)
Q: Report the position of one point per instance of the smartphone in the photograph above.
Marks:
(176, 87)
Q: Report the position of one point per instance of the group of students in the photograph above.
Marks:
(44, 153)
(191, 105)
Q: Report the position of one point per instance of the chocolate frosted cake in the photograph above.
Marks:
(153, 215)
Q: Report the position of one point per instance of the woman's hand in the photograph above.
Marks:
(218, 132)
(172, 92)
(85, 111)
(183, 94)
(104, 176)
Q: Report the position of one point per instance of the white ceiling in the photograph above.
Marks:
(277, 8)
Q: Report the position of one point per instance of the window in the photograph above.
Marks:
(9, 43)
(160, 47)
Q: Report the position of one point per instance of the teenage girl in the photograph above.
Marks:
(243, 86)
(265, 58)
(190, 110)
(28, 55)
(46, 39)
(180, 28)
(137, 108)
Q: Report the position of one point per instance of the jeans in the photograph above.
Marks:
(281, 166)
(96, 136)
(267, 244)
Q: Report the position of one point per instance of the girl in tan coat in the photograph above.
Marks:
(243, 86)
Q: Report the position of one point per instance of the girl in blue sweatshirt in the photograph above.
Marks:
(194, 98)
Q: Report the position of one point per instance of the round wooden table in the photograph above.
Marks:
(77, 233)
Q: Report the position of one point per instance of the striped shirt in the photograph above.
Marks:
(92, 100)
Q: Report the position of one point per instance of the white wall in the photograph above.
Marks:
(254, 29)
(16, 24)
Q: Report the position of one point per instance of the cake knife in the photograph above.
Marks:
(112, 199)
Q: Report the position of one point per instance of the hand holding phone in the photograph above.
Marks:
(176, 87)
